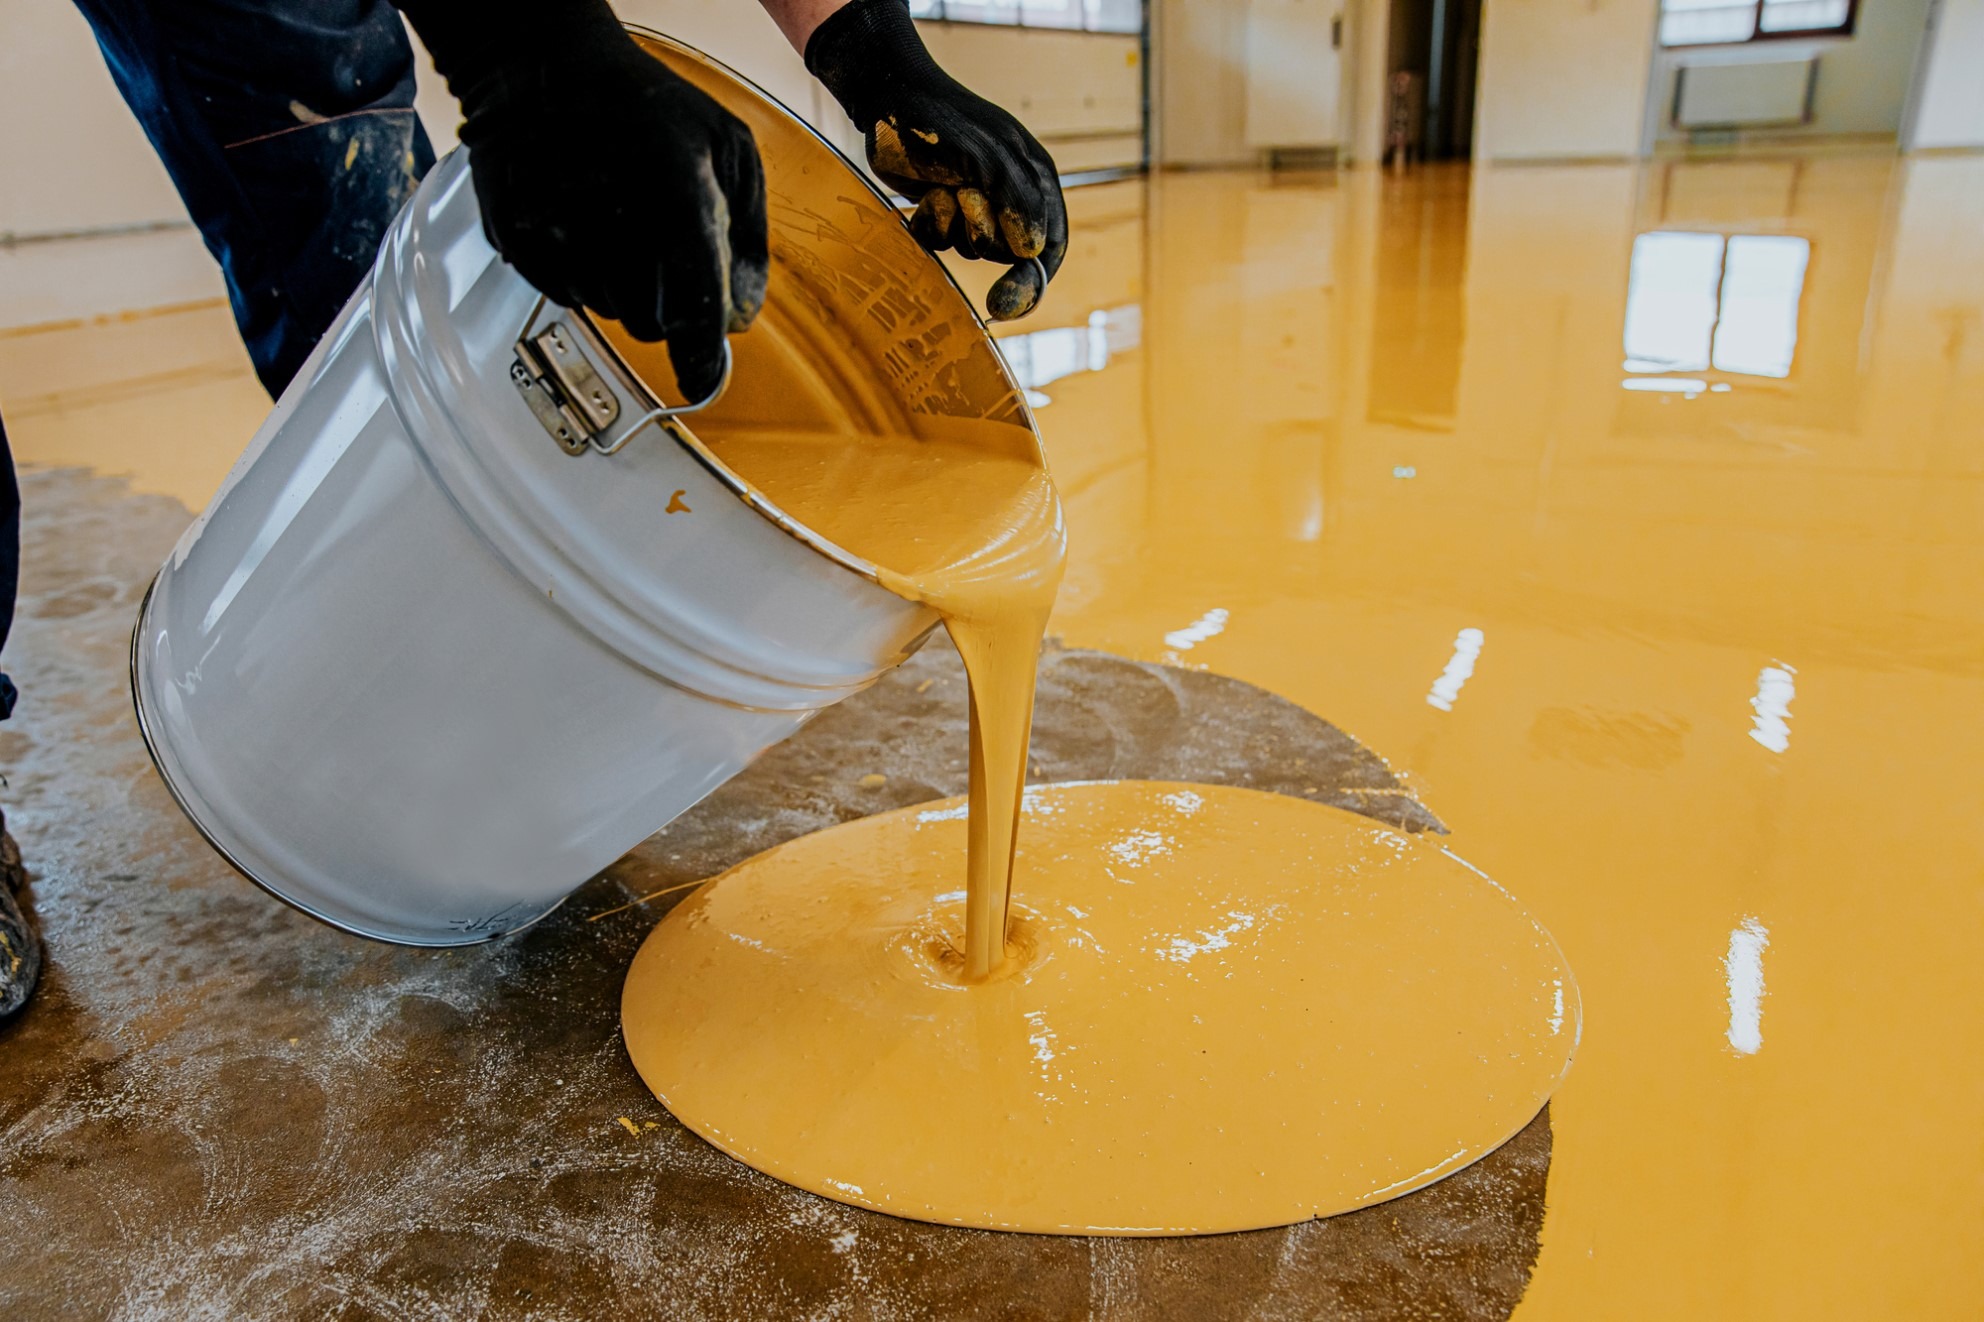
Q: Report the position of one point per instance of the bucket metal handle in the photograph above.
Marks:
(570, 397)
(1039, 269)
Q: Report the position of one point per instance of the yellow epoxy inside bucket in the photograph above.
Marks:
(1223, 1009)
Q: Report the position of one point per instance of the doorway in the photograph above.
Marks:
(1435, 51)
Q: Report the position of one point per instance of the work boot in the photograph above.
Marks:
(20, 945)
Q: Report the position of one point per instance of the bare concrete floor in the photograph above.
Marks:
(219, 1108)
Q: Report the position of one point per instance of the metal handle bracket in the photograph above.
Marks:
(573, 400)
(562, 389)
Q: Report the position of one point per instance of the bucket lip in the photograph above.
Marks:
(151, 742)
(736, 483)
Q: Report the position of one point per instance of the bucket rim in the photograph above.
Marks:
(684, 435)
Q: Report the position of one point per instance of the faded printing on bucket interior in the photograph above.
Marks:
(475, 613)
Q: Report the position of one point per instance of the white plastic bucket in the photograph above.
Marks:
(423, 667)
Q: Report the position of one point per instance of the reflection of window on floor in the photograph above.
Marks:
(1084, 15)
(1705, 303)
(1042, 357)
(1718, 22)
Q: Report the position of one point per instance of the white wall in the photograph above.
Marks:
(1080, 92)
(1563, 79)
(72, 158)
(1199, 87)
(1863, 79)
(1367, 95)
(1950, 107)
(1199, 82)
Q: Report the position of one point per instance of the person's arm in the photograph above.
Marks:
(605, 179)
(983, 184)
(797, 19)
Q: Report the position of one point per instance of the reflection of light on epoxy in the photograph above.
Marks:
(1557, 1009)
(1041, 1039)
(1763, 279)
(1038, 358)
(1139, 847)
(1206, 626)
(1771, 725)
(1182, 949)
(1031, 802)
(1689, 386)
(1695, 301)
(1437, 1166)
(1671, 301)
(1467, 646)
(1744, 967)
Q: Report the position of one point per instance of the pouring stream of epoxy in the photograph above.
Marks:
(975, 531)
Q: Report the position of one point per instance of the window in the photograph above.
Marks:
(1697, 303)
(1713, 22)
(1075, 15)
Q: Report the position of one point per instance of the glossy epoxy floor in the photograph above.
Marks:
(1634, 515)
(1637, 516)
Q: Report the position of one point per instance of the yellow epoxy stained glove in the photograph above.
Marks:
(606, 179)
(984, 185)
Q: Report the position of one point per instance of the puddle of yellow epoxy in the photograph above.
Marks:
(1364, 420)
(1222, 1009)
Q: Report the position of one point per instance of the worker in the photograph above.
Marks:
(605, 179)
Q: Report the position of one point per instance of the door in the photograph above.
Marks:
(1294, 72)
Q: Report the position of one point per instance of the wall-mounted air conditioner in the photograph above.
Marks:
(1750, 94)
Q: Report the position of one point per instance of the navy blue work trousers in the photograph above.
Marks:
(288, 128)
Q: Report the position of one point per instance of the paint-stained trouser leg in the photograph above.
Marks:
(20, 946)
(288, 128)
(10, 559)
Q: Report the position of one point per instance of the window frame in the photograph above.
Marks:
(1143, 22)
(1845, 28)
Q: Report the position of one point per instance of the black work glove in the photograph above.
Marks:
(606, 179)
(983, 184)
